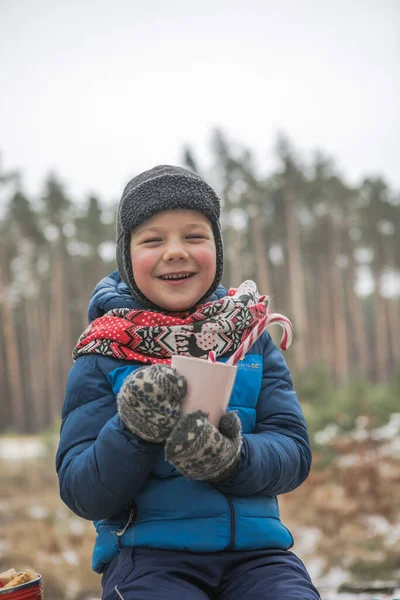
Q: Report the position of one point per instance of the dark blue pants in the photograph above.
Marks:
(160, 574)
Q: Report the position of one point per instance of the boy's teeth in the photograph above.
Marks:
(175, 276)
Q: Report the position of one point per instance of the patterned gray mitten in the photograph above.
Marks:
(201, 451)
(149, 401)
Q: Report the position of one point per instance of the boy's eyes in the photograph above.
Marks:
(188, 237)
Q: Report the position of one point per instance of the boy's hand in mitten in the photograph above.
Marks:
(201, 451)
(149, 401)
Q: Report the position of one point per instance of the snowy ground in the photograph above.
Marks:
(20, 448)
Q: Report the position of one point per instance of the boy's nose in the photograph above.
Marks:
(175, 252)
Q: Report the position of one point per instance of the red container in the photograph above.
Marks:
(32, 590)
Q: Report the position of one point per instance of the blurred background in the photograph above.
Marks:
(290, 110)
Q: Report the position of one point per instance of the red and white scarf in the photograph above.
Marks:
(153, 337)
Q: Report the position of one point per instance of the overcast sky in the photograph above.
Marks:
(101, 90)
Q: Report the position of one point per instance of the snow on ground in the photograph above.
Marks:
(21, 448)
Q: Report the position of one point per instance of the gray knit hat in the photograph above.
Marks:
(164, 188)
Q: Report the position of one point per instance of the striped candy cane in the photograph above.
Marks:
(212, 357)
(274, 318)
(287, 336)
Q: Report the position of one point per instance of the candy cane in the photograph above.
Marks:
(212, 356)
(255, 333)
(248, 342)
(287, 336)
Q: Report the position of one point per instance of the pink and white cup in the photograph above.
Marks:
(210, 385)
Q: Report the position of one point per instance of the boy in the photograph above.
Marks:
(182, 509)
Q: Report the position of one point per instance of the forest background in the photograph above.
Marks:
(328, 255)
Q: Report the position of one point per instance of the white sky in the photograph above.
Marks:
(101, 90)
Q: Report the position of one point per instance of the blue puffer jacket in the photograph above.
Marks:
(135, 497)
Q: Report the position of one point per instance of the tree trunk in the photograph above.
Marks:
(13, 362)
(393, 306)
(341, 352)
(381, 345)
(234, 251)
(260, 252)
(325, 324)
(296, 280)
(358, 328)
(55, 328)
(37, 375)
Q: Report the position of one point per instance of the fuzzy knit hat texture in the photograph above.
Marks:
(164, 187)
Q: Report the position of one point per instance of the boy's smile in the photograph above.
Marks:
(174, 258)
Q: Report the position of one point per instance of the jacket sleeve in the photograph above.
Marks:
(277, 457)
(101, 466)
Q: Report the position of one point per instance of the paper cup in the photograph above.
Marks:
(209, 385)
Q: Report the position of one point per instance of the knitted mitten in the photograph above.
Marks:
(149, 401)
(201, 451)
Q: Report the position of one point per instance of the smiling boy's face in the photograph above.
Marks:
(174, 258)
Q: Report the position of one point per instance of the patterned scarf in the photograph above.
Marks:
(153, 337)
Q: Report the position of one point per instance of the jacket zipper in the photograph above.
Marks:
(233, 525)
(128, 522)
